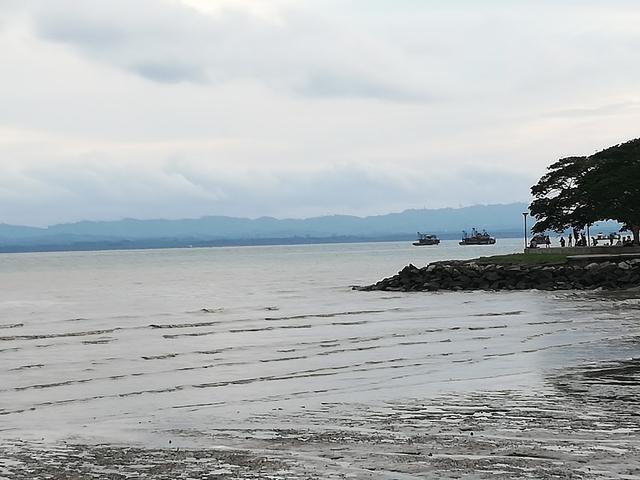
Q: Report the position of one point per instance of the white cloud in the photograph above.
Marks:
(270, 11)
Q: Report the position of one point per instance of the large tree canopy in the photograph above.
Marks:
(578, 191)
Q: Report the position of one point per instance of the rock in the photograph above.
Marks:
(492, 276)
(458, 276)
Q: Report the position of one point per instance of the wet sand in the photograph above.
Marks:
(585, 427)
(584, 424)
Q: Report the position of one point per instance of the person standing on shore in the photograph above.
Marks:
(570, 239)
(562, 242)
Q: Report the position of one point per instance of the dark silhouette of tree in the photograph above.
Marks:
(614, 185)
(578, 191)
(560, 200)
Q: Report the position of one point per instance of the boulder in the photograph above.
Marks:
(458, 276)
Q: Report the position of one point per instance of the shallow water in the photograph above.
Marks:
(132, 347)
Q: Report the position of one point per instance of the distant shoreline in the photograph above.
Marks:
(157, 244)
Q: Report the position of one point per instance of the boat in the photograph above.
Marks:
(477, 238)
(426, 239)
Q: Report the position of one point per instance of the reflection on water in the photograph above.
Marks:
(603, 382)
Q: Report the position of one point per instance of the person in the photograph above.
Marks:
(583, 240)
(570, 239)
(611, 238)
(547, 241)
(562, 242)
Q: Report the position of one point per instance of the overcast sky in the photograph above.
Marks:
(185, 108)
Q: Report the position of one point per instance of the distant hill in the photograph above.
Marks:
(220, 230)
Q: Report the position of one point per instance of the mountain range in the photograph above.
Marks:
(502, 220)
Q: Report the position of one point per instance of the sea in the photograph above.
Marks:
(147, 347)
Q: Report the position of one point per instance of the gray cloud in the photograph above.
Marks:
(165, 72)
(167, 42)
(336, 84)
(96, 189)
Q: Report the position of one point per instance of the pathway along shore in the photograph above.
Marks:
(481, 274)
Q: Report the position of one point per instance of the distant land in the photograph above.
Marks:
(500, 220)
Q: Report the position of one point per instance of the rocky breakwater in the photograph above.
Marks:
(472, 275)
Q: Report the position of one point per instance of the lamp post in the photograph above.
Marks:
(524, 215)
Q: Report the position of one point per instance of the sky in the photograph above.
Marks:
(187, 108)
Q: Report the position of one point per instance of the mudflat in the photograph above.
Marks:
(586, 429)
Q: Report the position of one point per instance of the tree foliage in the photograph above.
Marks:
(578, 191)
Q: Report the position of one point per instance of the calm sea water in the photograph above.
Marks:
(129, 345)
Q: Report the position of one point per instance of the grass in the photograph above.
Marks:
(524, 259)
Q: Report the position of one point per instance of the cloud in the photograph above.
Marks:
(329, 84)
(173, 108)
(597, 111)
(103, 187)
(165, 72)
(170, 42)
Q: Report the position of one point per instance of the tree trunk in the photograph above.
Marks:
(636, 234)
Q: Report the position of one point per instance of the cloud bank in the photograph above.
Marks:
(182, 108)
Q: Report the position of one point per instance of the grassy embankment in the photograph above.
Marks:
(523, 259)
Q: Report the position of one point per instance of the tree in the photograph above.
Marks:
(578, 191)
(614, 185)
(560, 199)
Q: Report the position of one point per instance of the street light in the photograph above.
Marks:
(524, 215)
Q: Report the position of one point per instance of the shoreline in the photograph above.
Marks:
(516, 272)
